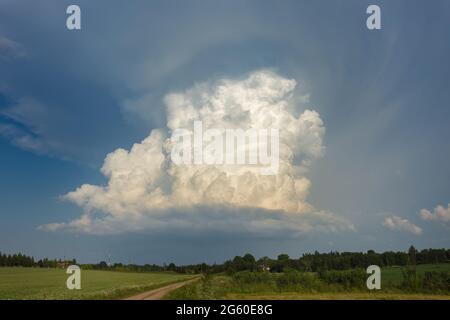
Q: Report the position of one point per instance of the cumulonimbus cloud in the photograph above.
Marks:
(400, 224)
(146, 190)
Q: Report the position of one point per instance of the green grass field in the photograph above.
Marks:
(36, 283)
(338, 296)
(393, 275)
(223, 287)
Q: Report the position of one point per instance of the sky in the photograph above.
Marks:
(86, 115)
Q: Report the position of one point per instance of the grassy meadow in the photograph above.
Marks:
(43, 283)
(309, 285)
(50, 283)
(339, 296)
(393, 275)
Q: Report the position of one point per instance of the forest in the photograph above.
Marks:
(307, 262)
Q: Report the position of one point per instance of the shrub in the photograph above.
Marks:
(347, 279)
(298, 281)
(411, 281)
(436, 281)
(251, 277)
(247, 281)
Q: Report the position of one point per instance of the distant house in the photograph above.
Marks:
(265, 268)
(63, 264)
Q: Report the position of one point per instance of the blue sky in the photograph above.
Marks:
(68, 98)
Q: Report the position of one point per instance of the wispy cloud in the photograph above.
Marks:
(397, 223)
(10, 49)
(26, 128)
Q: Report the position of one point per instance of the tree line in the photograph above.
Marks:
(334, 260)
(315, 262)
(22, 260)
(318, 262)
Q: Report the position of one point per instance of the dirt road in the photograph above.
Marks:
(158, 294)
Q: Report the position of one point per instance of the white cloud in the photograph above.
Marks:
(23, 139)
(399, 224)
(11, 49)
(28, 129)
(250, 221)
(440, 213)
(145, 189)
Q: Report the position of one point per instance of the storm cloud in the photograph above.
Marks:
(146, 189)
